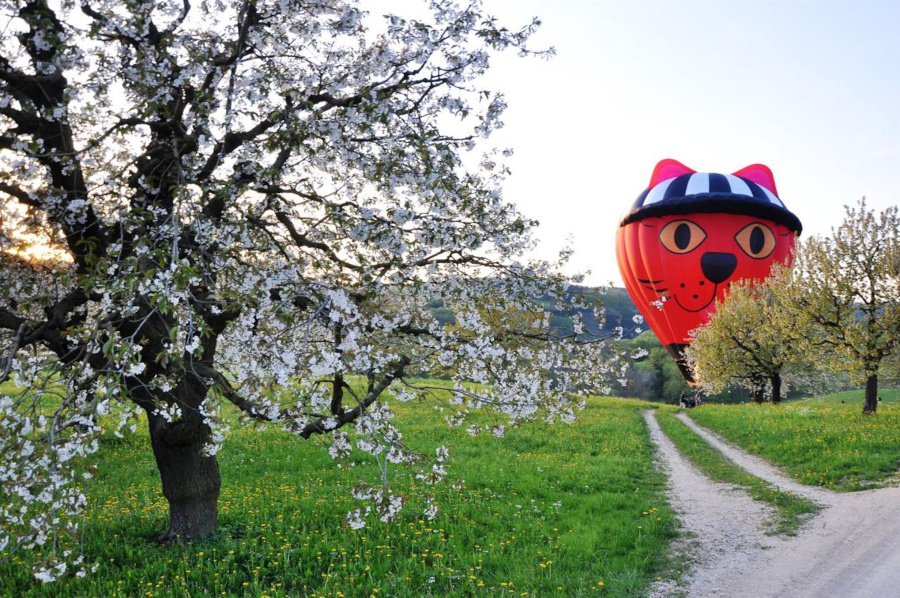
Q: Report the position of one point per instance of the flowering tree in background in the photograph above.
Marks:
(751, 340)
(837, 310)
(252, 204)
(845, 294)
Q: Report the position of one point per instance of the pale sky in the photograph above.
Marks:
(809, 88)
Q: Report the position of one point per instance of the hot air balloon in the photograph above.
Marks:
(689, 234)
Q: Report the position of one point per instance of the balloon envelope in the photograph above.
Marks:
(689, 234)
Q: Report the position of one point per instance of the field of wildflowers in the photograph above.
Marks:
(562, 510)
(825, 441)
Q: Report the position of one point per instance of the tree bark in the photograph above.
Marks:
(776, 388)
(758, 391)
(190, 479)
(871, 404)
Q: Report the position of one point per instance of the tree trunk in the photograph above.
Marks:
(776, 388)
(758, 391)
(190, 479)
(871, 404)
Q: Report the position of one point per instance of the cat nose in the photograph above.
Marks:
(717, 267)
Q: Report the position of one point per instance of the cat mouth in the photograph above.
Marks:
(696, 302)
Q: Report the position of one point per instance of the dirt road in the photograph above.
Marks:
(851, 549)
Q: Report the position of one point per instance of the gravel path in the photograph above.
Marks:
(759, 467)
(849, 550)
(725, 527)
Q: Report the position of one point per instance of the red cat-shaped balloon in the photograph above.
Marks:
(689, 234)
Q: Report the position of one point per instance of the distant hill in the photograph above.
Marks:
(619, 310)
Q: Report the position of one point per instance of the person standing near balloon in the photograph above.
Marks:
(689, 235)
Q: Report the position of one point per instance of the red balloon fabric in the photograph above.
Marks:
(690, 234)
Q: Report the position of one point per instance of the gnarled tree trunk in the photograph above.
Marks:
(190, 479)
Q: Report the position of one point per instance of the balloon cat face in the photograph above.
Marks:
(689, 235)
(690, 259)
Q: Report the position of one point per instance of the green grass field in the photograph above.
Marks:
(565, 510)
(824, 441)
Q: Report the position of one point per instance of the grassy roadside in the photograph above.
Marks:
(558, 510)
(792, 509)
(824, 441)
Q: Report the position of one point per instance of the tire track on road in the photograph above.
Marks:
(726, 526)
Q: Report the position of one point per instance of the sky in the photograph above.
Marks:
(809, 88)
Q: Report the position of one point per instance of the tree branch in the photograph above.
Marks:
(13, 349)
(185, 9)
(249, 17)
(320, 426)
(228, 144)
(51, 331)
(222, 383)
(100, 18)
(303, 241)
(10, 321)
(327, 424)
(20, 194)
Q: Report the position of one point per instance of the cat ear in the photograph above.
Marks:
(668, 169)
(759, 174)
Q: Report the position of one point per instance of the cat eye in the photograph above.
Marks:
(681, 236)
(756, 240)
